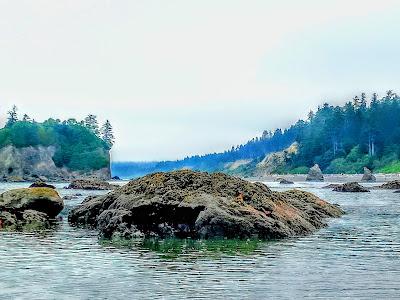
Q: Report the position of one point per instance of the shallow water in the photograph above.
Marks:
(357, 256)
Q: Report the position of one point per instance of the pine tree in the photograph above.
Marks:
(26, 118)
(107, 134)
(92, 124)
(12, 116)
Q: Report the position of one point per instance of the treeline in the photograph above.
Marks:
(344, 139)
(341, 139)
(79, 145)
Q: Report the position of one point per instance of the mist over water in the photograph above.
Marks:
(355, 257)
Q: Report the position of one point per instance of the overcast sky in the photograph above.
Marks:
(177, 78)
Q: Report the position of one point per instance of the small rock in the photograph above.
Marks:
(391, 185)
(86, 184)
(368, 176)
(41, 184)
(116, 178)
(351, 187)
(331, 186)
(285, 181)
(315, 174)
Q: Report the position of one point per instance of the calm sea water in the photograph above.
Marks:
(357, 256)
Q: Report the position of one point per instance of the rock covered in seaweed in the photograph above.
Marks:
(29, 208)
(202, 205)
(391, 185)
(351, 187)
(89, 184)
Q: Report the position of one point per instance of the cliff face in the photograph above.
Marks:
(30, 163)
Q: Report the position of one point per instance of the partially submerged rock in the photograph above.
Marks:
(29, 209)
(351, 187)
(391, 185)
(88, 184)
(315, 174)
(332, 186)
(285, 181)
(201, 205)
(368, 176)
(41, 184)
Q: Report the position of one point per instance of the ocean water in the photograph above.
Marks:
(356, 257)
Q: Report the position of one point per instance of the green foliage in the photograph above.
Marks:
(77, 147)
(394, 167)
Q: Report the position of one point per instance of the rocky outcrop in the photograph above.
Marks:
(274, 161)
(391, 185)
(351, 187)
(315, 174)
(33, 163)
(85, 184)
(41, 184)
(201, 205)
(368, 176)
(331, 186)
(285, 181)
(29, 209)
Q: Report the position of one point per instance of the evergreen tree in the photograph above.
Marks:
(107, 134)
(92, 124)
(12, 116)
(26, 118)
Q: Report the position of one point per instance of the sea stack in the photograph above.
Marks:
(368, 176)
(315, 174)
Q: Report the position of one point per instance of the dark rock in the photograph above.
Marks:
(351, 187)
(86, 184)
(368, 176)
(41, 184)
(391, 185)
(116, 178)
(332, 186)
(201, 205)
(29, 209)
(398, 191)
(70, 197)
(285, 181)
(315, 174)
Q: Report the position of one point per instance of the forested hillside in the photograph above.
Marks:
(341, 139)
(78, 145)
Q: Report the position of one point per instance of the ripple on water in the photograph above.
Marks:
(355, 257)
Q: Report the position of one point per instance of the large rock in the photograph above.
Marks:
(351, 187)
(87, 184)
(30, 208)
(315, 174)
(368, 176)
(201, 205)
(391, 185)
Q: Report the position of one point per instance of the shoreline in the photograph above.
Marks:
(333, 178)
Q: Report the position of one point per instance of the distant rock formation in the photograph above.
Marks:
(273, 161)
(331, 186)
(85, 184)
(285, 181)
(33, 163)
(201, 205)
(315, 174)
(368, 176)
(351, 187)
(29, 209)
(41, 184)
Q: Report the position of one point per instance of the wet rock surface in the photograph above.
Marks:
(201, 205)
(351, 187)
(29, 208)
(88, 184)
(285, 181)
(42, 184)
(391, 185)
(315, 174)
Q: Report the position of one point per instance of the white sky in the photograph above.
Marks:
(177, 78)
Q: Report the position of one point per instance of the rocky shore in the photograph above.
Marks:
(201, 205)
